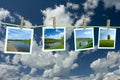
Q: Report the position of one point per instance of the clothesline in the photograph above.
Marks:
(15, 25)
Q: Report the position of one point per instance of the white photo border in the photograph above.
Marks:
(48, 27)
(31, 44)
(75, 39)
(99, 39)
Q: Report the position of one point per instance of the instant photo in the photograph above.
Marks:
(84, 39)
(107, 38)
(53, 39)
(18, 41)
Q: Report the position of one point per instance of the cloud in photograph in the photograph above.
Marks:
(87, 33)
(15, 33)
(105, 32)
(54, 33)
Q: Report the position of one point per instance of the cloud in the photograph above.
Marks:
(2, 45)
(111, 3)
(102, 65)
(8, 71)
(107, 68)
(4, 13)
(62, 68)
(73, 6)
(62, 16)
(88, 7)
(57, 36)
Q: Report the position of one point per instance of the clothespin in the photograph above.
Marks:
(84, 23)
(22, 21)
(108, 23)
(54, 22)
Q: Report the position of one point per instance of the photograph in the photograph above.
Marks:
(53, 39)
(84, 39)
(107, 38)
(18, 40)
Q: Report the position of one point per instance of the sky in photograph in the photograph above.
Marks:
(87, 33)
(14, 33)
(105, 32)
(54, 33)
(94, 64)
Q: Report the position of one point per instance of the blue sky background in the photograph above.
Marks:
(54, 33)
(105, 32)
(19, 34)
(84, 65)
(87, 33)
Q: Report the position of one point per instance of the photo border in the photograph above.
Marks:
(44, 41)
(75, 39)
(114, 38)
(6, 37)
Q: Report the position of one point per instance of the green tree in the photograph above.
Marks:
(80, 44)
(108, 37)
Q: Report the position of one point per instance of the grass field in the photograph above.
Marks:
(25, 41)
(61, 46)
(50, 41)
(106, 43)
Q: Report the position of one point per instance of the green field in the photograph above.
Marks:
(50, 41)
(80, 40)
(25, 41)
(106, 43)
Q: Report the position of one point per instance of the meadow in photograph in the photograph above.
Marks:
(18, 40)
(107, 38)
(84, 39)
(54, 38)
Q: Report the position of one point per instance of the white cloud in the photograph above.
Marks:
(89, 7)
(27, 23)
(90, 4)
(62, 16)
(73, 6)
(102, 67)
(57, 36)
(8, 71)
(2, 43)
(80, 21)
(111, 3)
(5, 14)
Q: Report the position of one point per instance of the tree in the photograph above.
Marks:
(108, 37)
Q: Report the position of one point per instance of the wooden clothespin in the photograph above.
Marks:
(108, 23)
(54, 22)
(84, 23)
(22, 21)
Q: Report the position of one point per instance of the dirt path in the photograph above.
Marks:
(11, 48)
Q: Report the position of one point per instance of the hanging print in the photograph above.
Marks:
(18, 40)
(84, 39)
(107, 38)
(53, 38)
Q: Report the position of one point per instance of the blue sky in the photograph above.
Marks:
(19, 34)
(59, 64)
(54, 33)
(105, 32)
(87, 33)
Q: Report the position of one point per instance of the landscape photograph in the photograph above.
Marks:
(18, 40)
(54, 39)
(107, 38)
(84, 39)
